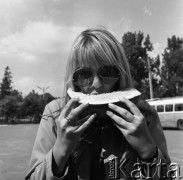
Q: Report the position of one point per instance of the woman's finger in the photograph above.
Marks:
(122, 112)
(81, 121)
(77, 123)
(74, 112)
(67, 108)
(118, 120)
(133, 108)
(86, 123)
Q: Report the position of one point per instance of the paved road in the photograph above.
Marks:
(175, 147)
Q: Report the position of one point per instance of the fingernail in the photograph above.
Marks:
(108, 112)
(95, 114)
(86, 103)
(110, 105)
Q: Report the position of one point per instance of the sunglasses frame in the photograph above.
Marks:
(104, 80)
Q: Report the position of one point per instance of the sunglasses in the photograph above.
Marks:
(85, 76)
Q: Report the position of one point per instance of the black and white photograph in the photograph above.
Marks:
(91, 89)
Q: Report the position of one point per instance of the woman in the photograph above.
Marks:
(122, 144)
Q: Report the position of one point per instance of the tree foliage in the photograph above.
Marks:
(33, 105)
(17, 94)
(136, 55)
(6, 85)
(10, 107)
(137, 47)
(172, 69)
(13, 105)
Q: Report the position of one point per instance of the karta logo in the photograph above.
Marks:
(143, 170)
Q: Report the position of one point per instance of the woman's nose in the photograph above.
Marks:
(96, 82)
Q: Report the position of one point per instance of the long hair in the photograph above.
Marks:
(97, 46)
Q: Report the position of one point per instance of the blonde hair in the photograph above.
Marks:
(97, 46)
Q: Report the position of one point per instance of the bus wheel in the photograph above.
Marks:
(180, 124)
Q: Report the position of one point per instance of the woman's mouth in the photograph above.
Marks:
(94, 93)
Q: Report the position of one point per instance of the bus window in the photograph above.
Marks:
(169, 107)
(160, 108)
(178, 107)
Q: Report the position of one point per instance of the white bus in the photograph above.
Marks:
(170, 111)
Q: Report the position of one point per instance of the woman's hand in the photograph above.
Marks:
(134, 128)
(69, 127)
(69, 130)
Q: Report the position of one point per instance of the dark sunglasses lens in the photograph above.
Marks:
(109, 71)
(82, 77)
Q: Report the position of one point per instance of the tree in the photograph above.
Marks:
(17, 94)
(9, 108)
(47, 98)
(156, 75)
(172, 69)
(5, 86)
(136, 48)
(32, 106)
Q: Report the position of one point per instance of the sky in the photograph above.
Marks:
(36, 35)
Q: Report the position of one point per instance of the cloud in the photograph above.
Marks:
(147, 11)
(54, 88)
(8, 7)
(120, 26)
(157, 46)
(26, 84)
(10, 3)
(28, 57)
(37, 39)
(9, 12)
(38, 45)
(158, 50)
(124, 22)
(24, 81)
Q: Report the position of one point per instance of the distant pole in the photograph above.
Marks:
(150, 78)
(43, 89)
